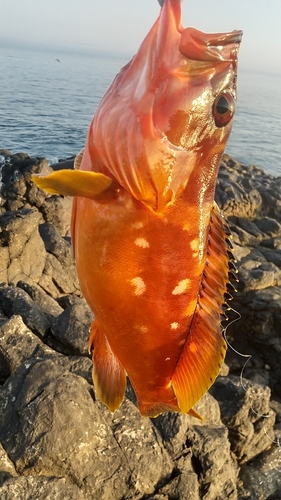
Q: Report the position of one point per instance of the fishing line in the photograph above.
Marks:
(276, 441)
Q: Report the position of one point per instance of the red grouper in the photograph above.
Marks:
(150, 244)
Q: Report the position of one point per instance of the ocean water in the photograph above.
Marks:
(46, 105)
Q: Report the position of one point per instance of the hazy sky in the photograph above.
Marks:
(120, 25)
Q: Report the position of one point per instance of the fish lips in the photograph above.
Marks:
(210, 47)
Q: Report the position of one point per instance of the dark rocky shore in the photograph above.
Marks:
(57, 441)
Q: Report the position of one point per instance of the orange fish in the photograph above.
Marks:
(150, 244)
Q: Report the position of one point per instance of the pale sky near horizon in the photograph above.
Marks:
(120, 25)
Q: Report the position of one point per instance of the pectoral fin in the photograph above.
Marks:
(92, 185)
(109, 376)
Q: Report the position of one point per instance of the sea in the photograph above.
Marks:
(48, 98)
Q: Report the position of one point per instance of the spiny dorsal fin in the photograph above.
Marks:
(204, 351)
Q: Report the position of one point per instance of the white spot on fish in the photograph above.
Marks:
(139, 285)
(142, 328)
(194, 245)
(167, 359)
(181, 287)
(137, 225)
(174, 325)
(141, 242)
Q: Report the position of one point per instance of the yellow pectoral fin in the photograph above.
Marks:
(92, 185)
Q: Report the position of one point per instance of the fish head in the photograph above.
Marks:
(168, 113)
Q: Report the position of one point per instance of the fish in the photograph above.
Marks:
(152, 249)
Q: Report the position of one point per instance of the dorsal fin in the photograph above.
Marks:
(204, 351)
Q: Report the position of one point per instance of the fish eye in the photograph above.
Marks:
(223, 109)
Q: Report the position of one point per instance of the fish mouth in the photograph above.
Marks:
(210, 47)
(194, 44)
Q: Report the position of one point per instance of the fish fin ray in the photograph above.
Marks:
(109, 376)
(78, 159)
(73, 224)
(83, 183)
(194, 414)
(204, 350)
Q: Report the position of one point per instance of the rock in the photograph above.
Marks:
(269, 226)
(72, 328)
(57, 279)
(234, 198)
(48, 305)
(41, 408)
(26, 253)
(173, 427)
(56, 244)
(23, 208)
(200, 450)
(17, 343)
(17, 301)
(264, 276)
(7, 469)
(217, 469)
(148, 460)
(184, 486)
(246, 412)
(57, 440)
(41, 434)
(261, 477)
(57, 211)
(38, 487)
(242, 237)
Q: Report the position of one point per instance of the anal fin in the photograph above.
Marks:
(109, 376)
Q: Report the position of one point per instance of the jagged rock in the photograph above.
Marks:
(264, 276)
(262, 476)
(269, 226)
(56, 439)
(247, 191)
(57, 279)
(38, 487)
(174, 426)
(26, 253)
(17, 343)
(57, 211)
(48, 305)
(200, 450)
(218, 471)
(76, 318)
(7, 469)
(50, 425)
(246, 412)
(184, 486)
(56, 244)
(17, 301)
(24, 207)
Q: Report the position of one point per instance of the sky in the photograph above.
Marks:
(119, 26)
